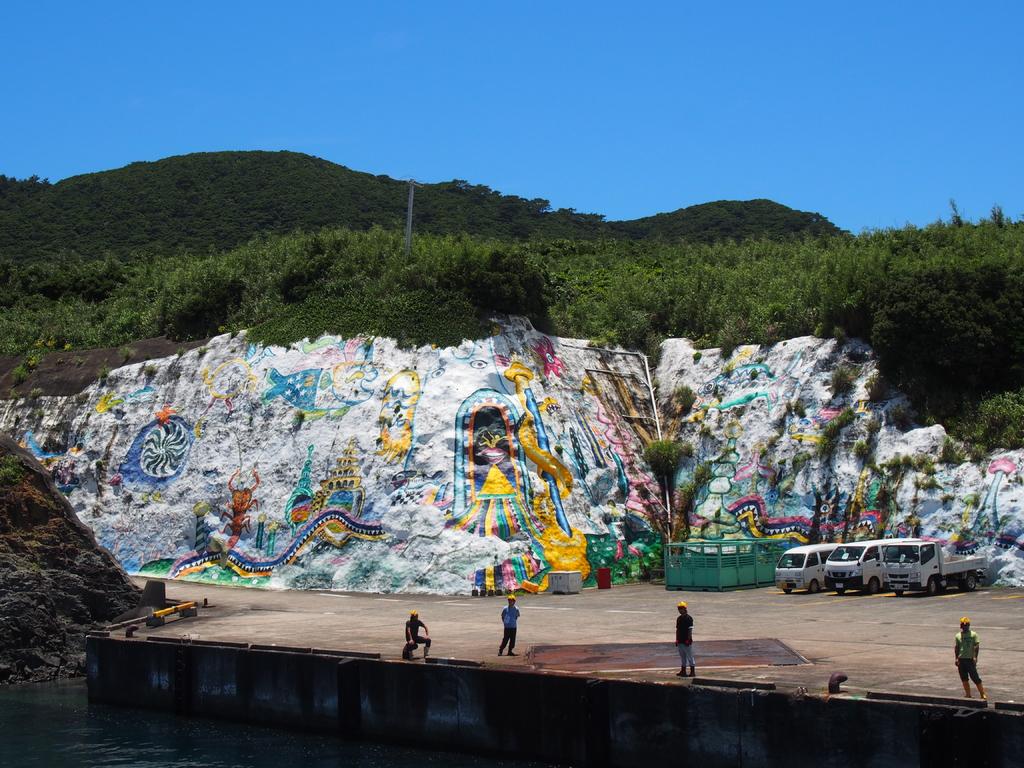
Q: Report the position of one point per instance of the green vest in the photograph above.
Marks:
(967, 646)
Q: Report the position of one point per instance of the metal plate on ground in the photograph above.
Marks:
(621, 657)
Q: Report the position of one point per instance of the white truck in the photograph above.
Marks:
(913, 565)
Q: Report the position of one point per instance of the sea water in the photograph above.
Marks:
(53, 725)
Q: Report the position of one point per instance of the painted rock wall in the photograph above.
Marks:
(778, 453)
(352, 464)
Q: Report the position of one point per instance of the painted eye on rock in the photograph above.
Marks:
(439, 371)
(158, 454)
(164, 450)
(479, 364)
(550, 357)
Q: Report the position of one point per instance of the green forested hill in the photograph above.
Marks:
(221, 199)
(727, 220)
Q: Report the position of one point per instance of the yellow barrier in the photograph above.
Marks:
(184, 610)
(174, 609)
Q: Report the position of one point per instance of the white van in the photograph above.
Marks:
(803, 568)
(857, 565)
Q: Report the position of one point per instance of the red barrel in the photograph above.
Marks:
(604, 578)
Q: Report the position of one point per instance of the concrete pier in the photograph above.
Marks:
(555, 718)
(302, 660)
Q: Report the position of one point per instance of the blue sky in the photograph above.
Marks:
(872, 113)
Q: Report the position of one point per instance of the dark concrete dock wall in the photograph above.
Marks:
(543, 717)
(133, 674)
(708, 726)
(289, 690)
(549, 717)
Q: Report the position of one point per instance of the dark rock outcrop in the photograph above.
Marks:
(56, 583)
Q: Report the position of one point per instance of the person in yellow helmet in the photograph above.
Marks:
(413, 639)
(510, 622)
(965, 648)
(684, 640)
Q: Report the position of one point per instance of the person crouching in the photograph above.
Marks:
(413, 638)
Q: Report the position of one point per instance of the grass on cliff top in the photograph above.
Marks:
(942, 305)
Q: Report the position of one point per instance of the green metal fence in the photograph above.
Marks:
(725, 564)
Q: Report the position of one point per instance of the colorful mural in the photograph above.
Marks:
(332, 515)
(354, 464)
(780, 455)
(397, 410)
(62, 463)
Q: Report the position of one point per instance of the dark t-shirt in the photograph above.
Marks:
(412, 628)
(684, 626)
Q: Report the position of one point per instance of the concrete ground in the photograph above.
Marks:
(883, 643)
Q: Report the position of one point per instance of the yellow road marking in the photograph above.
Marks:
(841, 598)
(954, 594)
(1009, 597)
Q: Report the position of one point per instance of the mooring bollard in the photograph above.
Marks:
(834, 682)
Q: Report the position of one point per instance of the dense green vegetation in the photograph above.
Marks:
(727, 220)
(943, 305)
(11, 471)
(284, 287)
(221, 199)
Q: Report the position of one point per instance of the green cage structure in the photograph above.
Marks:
(714, 566)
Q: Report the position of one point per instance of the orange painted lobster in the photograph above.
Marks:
(242, 501)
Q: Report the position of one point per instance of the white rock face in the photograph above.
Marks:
(351, 464)
(761, 425)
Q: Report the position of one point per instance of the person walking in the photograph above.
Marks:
(510, 620)
(413, 638)
(965, 648)
(684, 641)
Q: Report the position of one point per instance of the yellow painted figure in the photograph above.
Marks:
(397, 409)
(562, 553)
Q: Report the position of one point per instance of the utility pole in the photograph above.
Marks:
(408, 218)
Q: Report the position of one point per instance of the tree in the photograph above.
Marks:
(663, 457)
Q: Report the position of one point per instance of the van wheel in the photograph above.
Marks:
(899, 593)
(873, 586)
(787, 590)
(841, 591)
(812, 588)
(933, 586)
(969, 583)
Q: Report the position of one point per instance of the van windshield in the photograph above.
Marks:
(792, 560)
(902, 553)
(846, 554)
